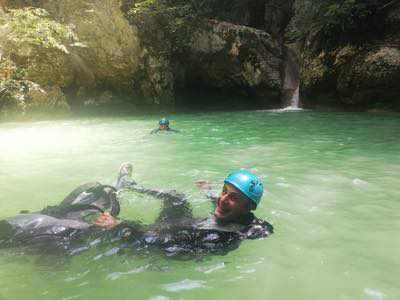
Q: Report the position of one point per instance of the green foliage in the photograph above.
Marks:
(33, 26)
(168, 24)
(228, 10)
(163, 24)
(11, 82)
(164, 11)
(328, 24)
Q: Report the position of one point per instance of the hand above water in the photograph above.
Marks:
(107, 221)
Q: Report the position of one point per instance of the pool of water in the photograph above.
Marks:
(333, 196)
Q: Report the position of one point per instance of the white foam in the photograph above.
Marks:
(210, 269)
(159, 297)
(286, 109)
(359, 182)
(185, 284)
(374, 294)
(116, 275)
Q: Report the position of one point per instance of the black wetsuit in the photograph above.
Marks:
(158, 130)
(177, 232)
(63, 226)
(69, 226)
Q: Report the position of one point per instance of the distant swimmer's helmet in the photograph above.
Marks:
(249, 184)
(164, 121)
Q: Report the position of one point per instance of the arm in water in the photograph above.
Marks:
(174, 205)
(154, 131)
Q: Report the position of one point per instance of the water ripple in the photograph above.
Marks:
(185, 284)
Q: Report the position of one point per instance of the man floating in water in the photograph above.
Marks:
(91, 211)
(176, 231)
(163, 126)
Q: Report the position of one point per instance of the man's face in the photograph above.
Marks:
(163, 127)
(231, 204)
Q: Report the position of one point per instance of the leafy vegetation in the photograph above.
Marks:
(225, 10)
(33, 26)
(11, 82)
(327, 24)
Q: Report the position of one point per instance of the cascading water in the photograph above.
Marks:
(291, 85)
(294, 102)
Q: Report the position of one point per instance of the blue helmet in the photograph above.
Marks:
(248, 183)
(164, 121)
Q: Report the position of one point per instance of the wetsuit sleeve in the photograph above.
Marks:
(174, 206)
(124, 182)
(155, 131)
(158, 193)
(258, 229)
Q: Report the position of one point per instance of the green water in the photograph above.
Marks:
(332, 194)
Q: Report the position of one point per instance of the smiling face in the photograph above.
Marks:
(231, 204)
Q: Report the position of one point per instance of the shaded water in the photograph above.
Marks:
(332, 194)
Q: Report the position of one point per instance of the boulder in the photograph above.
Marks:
(226, 56)
(72, 44)
(108, 52)
(359, 77)
(370, 77)
(22, 97)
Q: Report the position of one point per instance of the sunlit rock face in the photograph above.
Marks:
(108, 49)
(69, 45)
(23, 98)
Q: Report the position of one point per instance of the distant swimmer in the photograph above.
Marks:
(163, 127)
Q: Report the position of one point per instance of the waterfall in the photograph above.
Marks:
(291, 83)
(294, 102)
